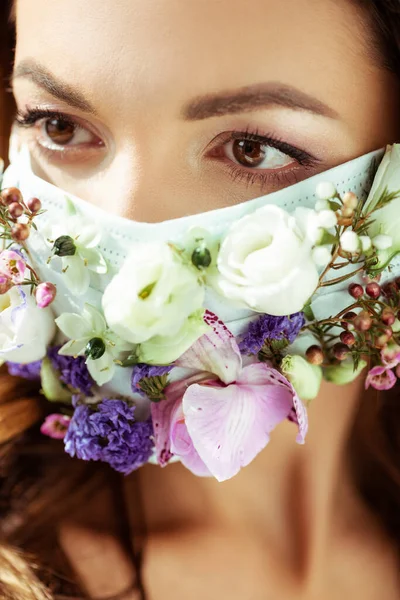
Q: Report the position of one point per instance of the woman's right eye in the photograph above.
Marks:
(57, 133)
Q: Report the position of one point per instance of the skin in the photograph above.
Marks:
(291, 525)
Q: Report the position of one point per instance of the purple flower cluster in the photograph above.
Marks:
(142, 370)
(108, 432)
(29, 371)
(268, 327)
(73, 371)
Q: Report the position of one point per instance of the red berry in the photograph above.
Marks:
(315, 355)
(363, 321)
(373, 290)
(356, 290)
(15, 210)
(349, 316)
(388, 317)
(20, 232)
(390, 289)
(10, 195)
(340, 351)
(34, 205)
(348, 338)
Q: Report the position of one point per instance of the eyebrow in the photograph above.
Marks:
(244, 99)
(37, 73)
(255, 97)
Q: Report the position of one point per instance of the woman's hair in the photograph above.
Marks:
(40, 484)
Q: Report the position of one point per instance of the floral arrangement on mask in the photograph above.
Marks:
(214, 398)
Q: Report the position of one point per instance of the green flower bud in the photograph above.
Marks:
(201, 257)
(64, 246)
(95, 348)
(53, 389)
(344, 372)
(305, 377)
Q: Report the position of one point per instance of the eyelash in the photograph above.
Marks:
(237, 172)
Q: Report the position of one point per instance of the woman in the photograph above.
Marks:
(140, 100)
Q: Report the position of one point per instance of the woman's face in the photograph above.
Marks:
(169, 107)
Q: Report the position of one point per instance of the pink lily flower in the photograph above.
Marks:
(380, 378)
(218, 419)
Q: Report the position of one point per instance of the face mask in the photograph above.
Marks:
(190, 339)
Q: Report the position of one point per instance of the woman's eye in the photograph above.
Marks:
(59, 132)
(256, 155)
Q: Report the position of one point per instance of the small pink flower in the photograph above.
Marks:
(12, 266)
(55, 426)
(390, 355)
(221, 417)
(45, 294)
(380, 378)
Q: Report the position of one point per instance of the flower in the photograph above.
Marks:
(386, 216)
(344, 372)
(25, 329)
(163, 350)
(73, 371)
(12, 266)
(90, 336)
(265, 262)
(382, 242)
(27, 371)
(153, 296)
(349, 241)
(269, 327)
(305, 377)
(380, 378)
(220, 418)
(325, 190)
(74, 242)
(142, 373)
(390, 355)
(55, 426)
(110, 433)
(45, 294)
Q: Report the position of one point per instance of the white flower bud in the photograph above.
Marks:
(321, 205)
(325, 190)
(382, 242)
(305, 377)
(349, 241)
(327, 219)
(366, 243)
(321, 255)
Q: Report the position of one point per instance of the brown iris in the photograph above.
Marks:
(248, 153)
(59, 131)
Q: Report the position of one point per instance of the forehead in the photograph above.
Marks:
(163, 49)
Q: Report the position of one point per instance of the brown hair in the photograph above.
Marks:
(34, 497)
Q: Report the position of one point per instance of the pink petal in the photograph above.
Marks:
(391, 355)
(230, 425)
(215, 352)
(380, 378)
(182, 446)
(166, 416)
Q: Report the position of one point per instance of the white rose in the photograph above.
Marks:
(265, 261)
(25, 329)
(386, 220)
(153, 294)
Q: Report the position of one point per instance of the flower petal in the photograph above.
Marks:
(93, 317)
(73, 326)
(76, 274)
(230, 425)
(102, 369)
(215, 352)
(73, 347)
(94, 259)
